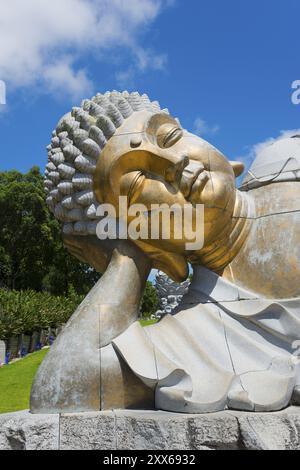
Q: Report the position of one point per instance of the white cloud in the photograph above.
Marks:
(125, 78)
(60, 77)
(41, 41)
(149, 59)
(145, 59)
(254, 150)
(202, 128)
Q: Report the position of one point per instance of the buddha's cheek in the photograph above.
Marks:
(218, 193)
(154, 192)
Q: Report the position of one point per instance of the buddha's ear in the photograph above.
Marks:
(238, 168)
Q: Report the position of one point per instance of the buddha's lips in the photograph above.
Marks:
(198, 185)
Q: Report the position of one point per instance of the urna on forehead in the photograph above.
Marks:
(75, 147)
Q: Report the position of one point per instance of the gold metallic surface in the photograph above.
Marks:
(251, 238)
(82, 371)
(151, 159)
(268, 263)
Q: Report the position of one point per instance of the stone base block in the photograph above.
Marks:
(151, 430)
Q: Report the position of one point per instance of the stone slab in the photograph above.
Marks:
(151, 430)
(174, 431)
(88, 431)
(271, 431)
(24, 431)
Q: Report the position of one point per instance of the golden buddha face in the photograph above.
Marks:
(151, 159)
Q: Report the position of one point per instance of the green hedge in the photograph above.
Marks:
(24, 312)
(28, 311)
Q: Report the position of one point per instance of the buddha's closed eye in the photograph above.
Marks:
(168, 135)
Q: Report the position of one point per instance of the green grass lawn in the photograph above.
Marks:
(16, 380)
(147, 322)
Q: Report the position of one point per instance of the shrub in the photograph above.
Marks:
(24, 312)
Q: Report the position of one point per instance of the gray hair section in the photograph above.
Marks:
(75, 147)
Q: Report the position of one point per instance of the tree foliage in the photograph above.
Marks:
(42, 284)
(24, 312)
(32, 255)
(150, 302)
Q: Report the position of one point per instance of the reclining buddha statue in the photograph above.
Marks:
(233, 341)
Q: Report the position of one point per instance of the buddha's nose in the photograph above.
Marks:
(174, 171)
(162, 163)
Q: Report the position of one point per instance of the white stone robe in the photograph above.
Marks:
(223, 348)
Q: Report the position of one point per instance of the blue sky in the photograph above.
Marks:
(225, 68)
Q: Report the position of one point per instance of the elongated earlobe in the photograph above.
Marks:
(238, 168)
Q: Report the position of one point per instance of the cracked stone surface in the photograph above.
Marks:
(25, 431)
(151, 430)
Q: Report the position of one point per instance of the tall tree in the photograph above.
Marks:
(32, 255)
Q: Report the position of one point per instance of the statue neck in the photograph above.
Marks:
(219, 254)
